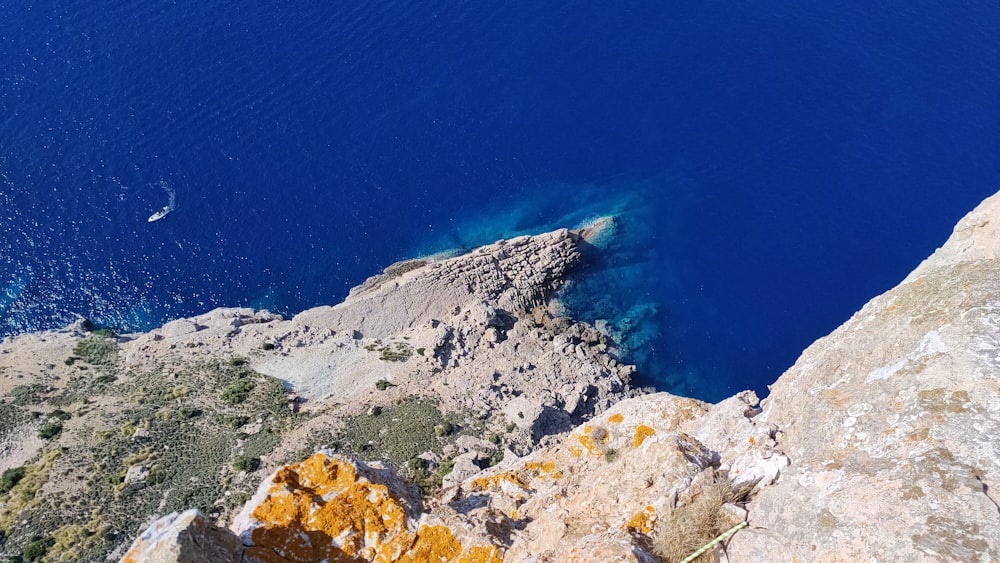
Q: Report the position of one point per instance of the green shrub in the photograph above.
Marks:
(106, 378)
(445, 467)
(246, 463)
(35, 549)
(50, 429)
(10, 478)
(233, 421)
(27, 394)
(382, 385)
(238, 392)
(97, 350)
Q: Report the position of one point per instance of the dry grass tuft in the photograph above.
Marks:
(698, 522)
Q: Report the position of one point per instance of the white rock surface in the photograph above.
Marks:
(891, 422)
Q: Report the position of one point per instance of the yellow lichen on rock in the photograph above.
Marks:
(300, 526)
(594, 440)
(481, 554)
(437, 544)
(494, 482)
(543, 469)
(432, 544)
(616, 418)
(641, 433)
(642, 521)
(325, 509)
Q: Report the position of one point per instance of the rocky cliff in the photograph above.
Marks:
(438, 368)
(891, 422)
(878, 444)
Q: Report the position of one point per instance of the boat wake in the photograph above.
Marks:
(171, 203)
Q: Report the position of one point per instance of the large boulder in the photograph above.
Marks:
(329, 508)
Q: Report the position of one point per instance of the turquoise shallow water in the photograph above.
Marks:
(773, 166)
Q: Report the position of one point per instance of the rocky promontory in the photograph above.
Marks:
(437, 367)
(473, 423)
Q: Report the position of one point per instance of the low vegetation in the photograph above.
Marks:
(124, 446)
(400, 433)
(692, 525)
(392, 351)
(10, 478)
(397, 434)
(98, 349)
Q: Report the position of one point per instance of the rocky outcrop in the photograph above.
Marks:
(891, 422)
(326, 508)
(437, 366)
(420, 317)
(879, 444)
(595, 497)
(472, 331)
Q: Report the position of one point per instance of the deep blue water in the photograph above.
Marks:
(775, 164)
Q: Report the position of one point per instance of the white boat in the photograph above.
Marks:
(159, 214)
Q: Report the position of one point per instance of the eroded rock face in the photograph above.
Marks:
(891, 421)
(879, 444)
(420, 318)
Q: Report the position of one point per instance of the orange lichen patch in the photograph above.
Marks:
(494, 482)
(432, 543)
(575, 451)
(324, 475)
(540, 466)
(365, 508)
(543, 469)
(752, 441)
(641, 433)
(320, 510)
(642, 521)
(594, 440)
(616, 418)
(316, 510)
(481, 554)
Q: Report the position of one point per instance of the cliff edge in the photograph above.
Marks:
(890, 422)
(437, 368)
(878, 444)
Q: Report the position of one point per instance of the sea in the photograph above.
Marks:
(773, 165)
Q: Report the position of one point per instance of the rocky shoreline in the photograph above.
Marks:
(439, 367)
(447, 411)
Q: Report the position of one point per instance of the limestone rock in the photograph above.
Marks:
(329, 508)
(136, 475)
(891, 421)
(187, 537)
(578, 501)
(879, 444)
(177, 328)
